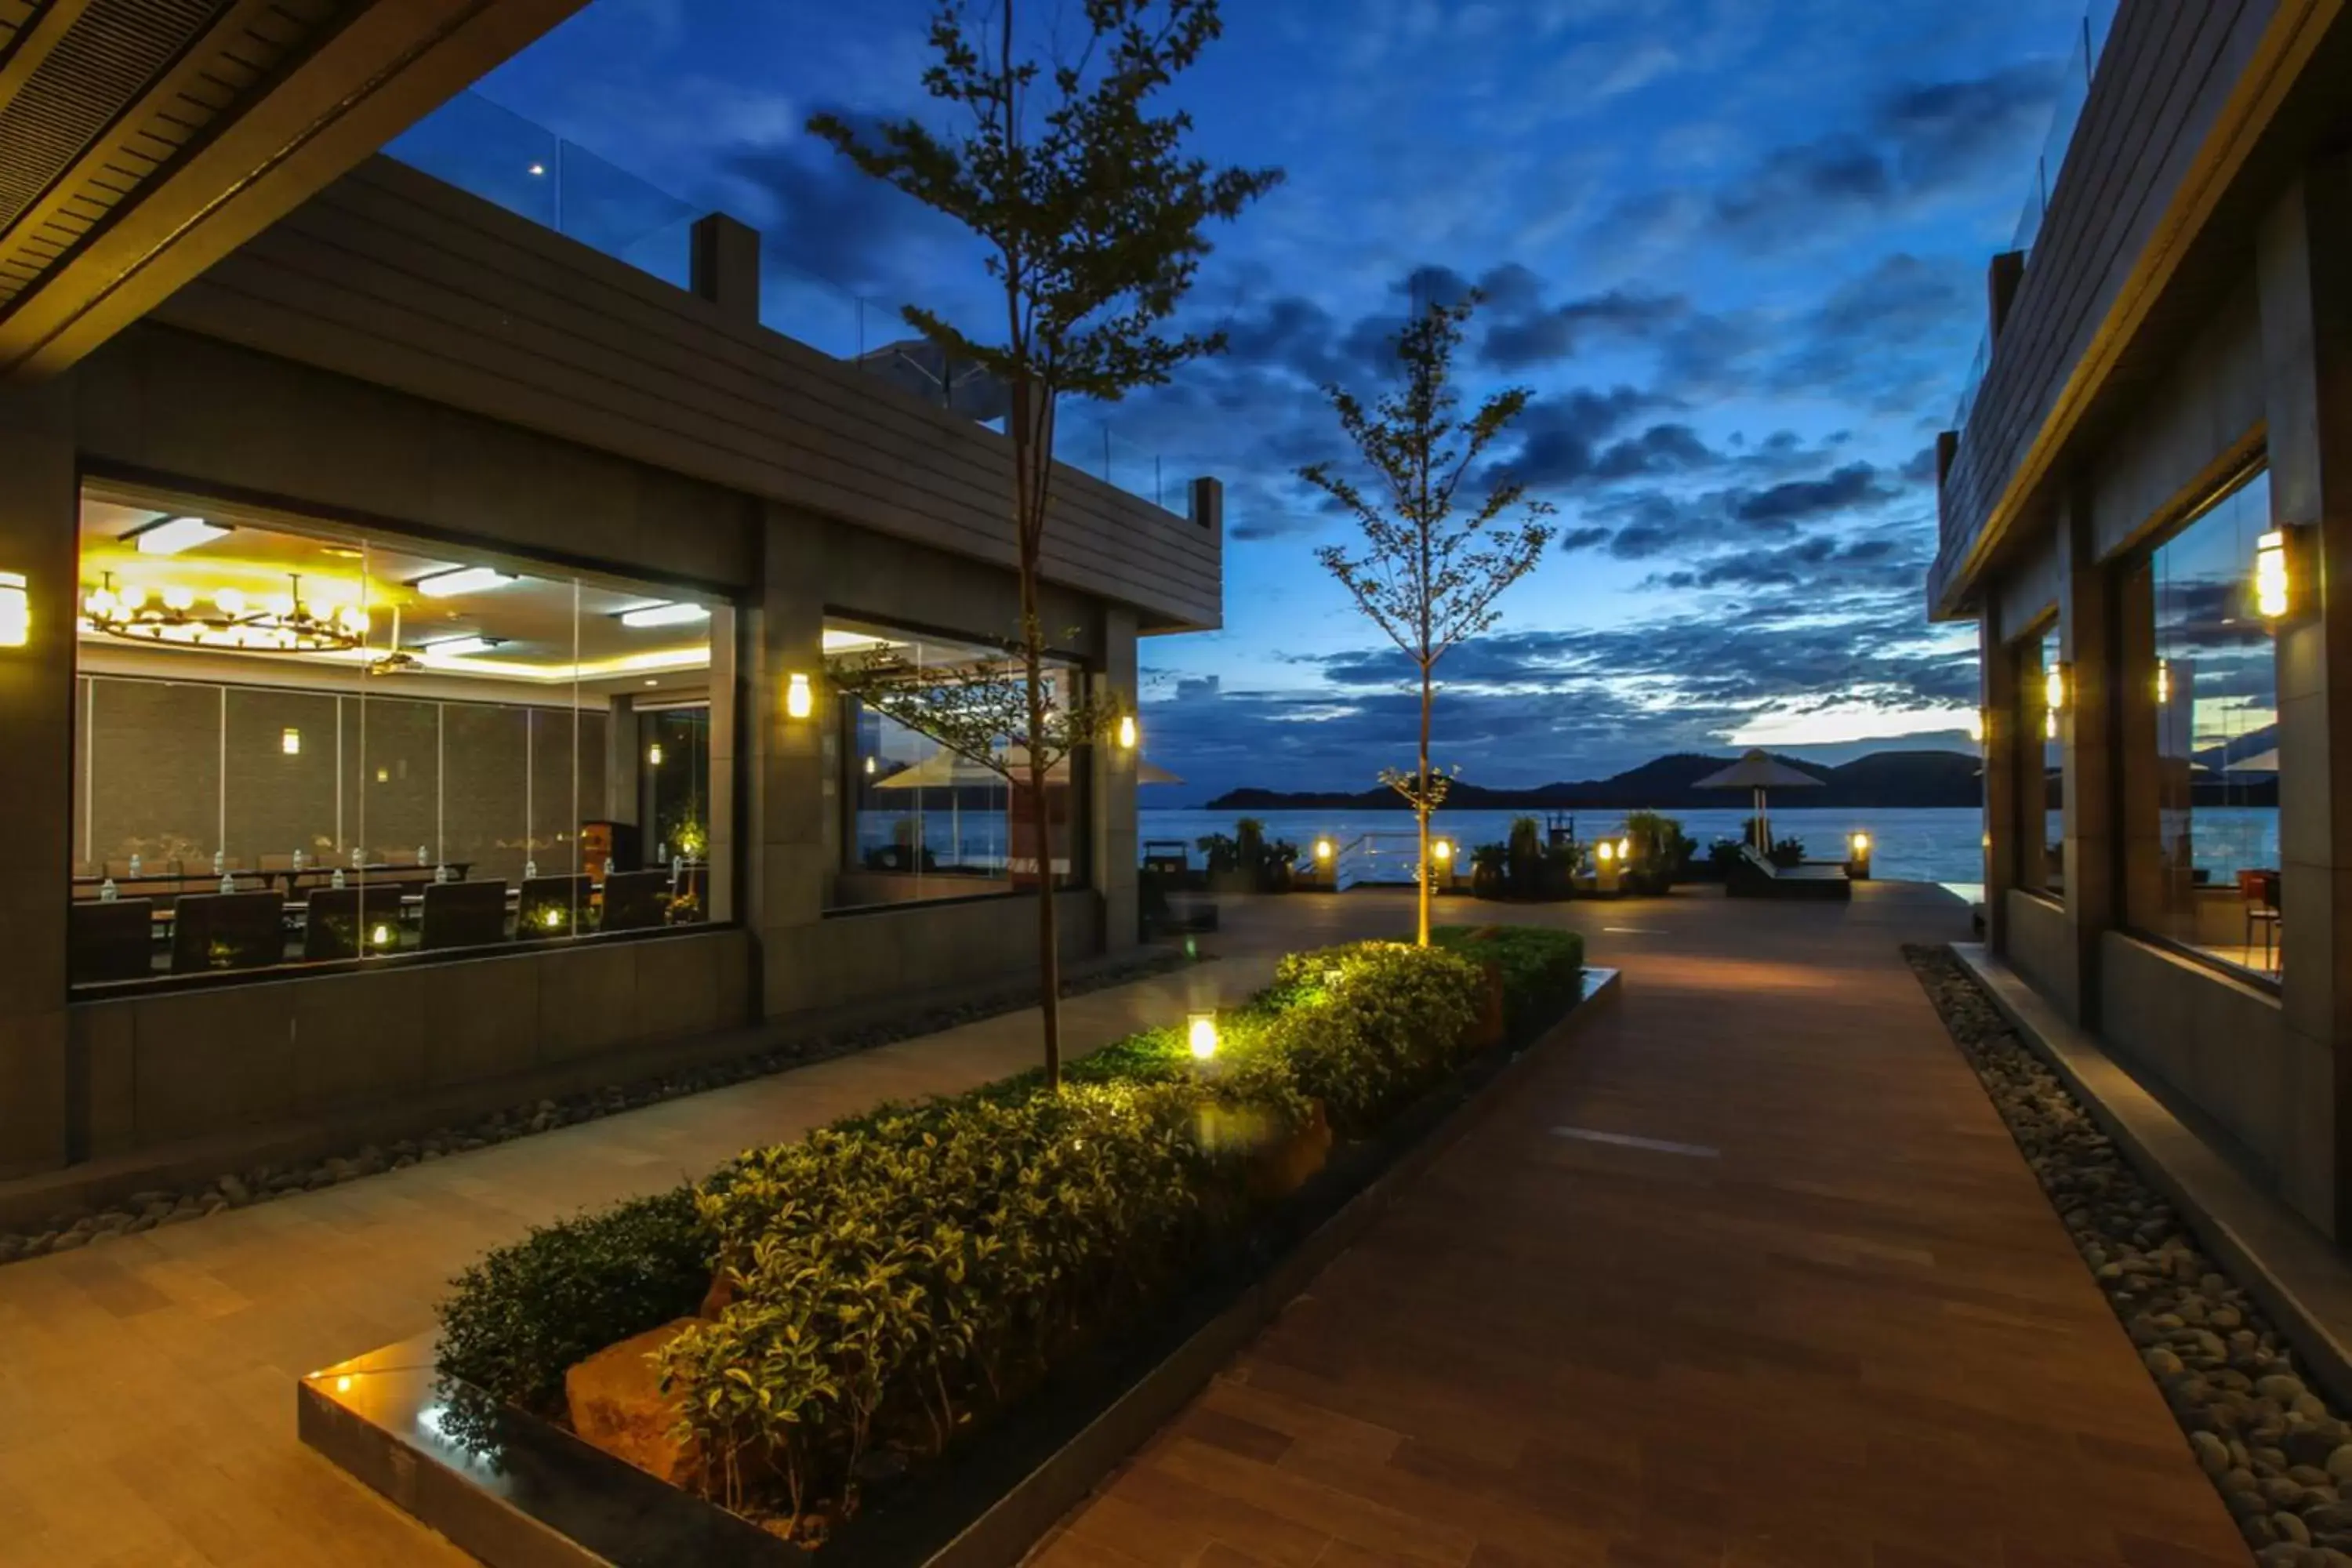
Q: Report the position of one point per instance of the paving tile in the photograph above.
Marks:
(1855, 1337)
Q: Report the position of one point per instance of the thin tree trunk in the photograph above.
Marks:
(1049, 957)
(1428, 870)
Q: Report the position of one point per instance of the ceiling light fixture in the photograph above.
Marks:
(665, 615)
(288, 623)
(170, 535)
(458, 648)
(462, 580)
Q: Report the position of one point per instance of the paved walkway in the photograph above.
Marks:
(1858, 1336)
(147, 1386)
(1802, 1305)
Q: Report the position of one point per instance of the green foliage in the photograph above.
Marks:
(896, 1277)
(514, 1322)
(1661, 850)
(1542, 969)
(1526, 838)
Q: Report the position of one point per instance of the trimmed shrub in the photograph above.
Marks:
(1542, 970)
(513, 1322)
(889, 1281)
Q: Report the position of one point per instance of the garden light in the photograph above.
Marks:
(380, 937)
(1126, 731)
(1624, 849)
(1441, 851)
(799, 701)
(1322, 849)
(1201, 1035)
(2271, 581)
(554, 919)
(1605, 852)
(1860, 844)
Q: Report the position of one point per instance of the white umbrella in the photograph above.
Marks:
(1758, 771)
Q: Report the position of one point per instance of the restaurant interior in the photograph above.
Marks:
(303, 743)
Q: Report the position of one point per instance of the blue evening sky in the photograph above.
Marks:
(1735, 247)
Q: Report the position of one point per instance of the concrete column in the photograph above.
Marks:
(39, 519)
(623, 779)
(1113, 825)
(1997, 687)
(2086, 644)
(726, 751)
(724, 268)
(794, 768)
(2304, 274)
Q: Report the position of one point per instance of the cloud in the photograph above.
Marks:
(1523, 333)
(1797, 501)
(826, 218)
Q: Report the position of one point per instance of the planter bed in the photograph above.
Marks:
(553, 1499)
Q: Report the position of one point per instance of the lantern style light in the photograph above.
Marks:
(1605, 852)
(1441, 851)
(16, 610)
(1323, 849)
(1201, 1035)
(1126, 731)
(2273, 585)
(799, 700)
(1860, 844)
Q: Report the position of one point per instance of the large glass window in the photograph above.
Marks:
(300, 743)
(2040, 758)
(924, 821)
(2201, 727)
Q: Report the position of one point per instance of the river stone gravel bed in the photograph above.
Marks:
(2279, 1455)
(149, 1210)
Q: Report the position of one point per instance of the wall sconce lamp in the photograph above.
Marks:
(799, 700)
(2278, 569)
(2164, 683)
(289, 742)
(2053, 687)
(653, 755)
(16, 610)
(1126, 731)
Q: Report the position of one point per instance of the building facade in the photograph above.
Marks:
(2146, 509)
(412, 649)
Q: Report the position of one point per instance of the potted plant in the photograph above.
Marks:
(1661, 852)
(1489, 870)
(1277, 866)
(1526, 857)
(1559, 863)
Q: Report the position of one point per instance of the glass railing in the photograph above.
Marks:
(2073, 91)
(491, 150)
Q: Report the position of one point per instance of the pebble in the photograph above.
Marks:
(2279, 1455)
(80, 1225)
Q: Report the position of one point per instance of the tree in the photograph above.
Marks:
(1426, 577)
(1090, 212)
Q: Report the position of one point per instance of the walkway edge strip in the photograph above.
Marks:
(1018, 1520)
(2249, 1231)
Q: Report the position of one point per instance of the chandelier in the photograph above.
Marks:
(284, 622)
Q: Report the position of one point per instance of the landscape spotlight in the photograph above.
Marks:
(1201, 1035)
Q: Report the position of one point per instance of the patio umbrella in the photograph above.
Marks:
(1759, 772)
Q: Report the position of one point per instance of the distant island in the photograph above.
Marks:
(1881, 780)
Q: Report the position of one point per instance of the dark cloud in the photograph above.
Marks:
(1572, 540)
(1523, 333)
(1560, 435)
(1799, 500)
(827, 221)
(1916, 144)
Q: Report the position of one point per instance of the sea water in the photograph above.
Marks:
(1911, 844)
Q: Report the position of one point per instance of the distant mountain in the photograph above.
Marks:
(1882, 779)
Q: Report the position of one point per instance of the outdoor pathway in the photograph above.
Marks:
(1801, 1304)
(147, 1386)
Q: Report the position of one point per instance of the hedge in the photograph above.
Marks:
(896, 1277)
(1542, 969)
